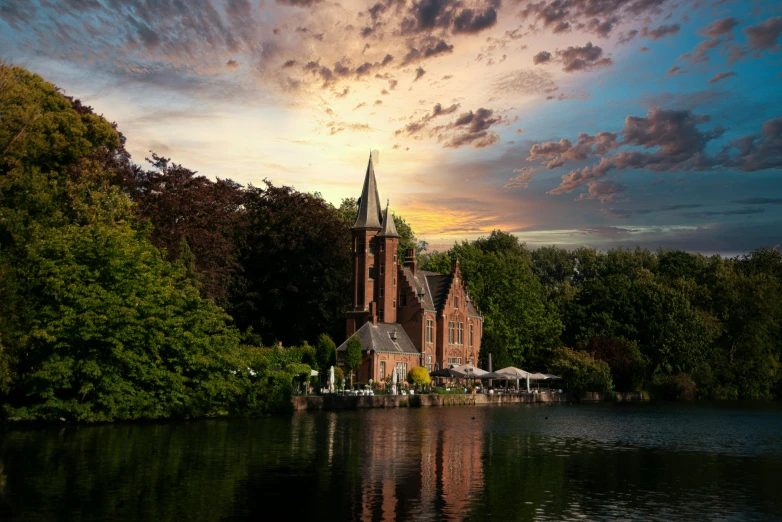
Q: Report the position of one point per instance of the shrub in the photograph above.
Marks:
(678, 387)
(582, 372)
(419, 376)
(627, 363)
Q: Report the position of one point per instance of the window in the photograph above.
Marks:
(393, 303)
(454, 360)
(401, 371)
(429, 363)
(371, 272)
(382, 247)
(394, 258)
(459, 334)
(395, 281)
(456, 302)
(381, 292)
(429, 330)
(382, 370)
(372, 249)
(450, 332)
(469, 338)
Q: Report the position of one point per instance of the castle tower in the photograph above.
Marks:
(388, 240)
(365, 254)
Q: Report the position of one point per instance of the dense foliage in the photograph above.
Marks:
(582, 372)
(129, 292)
(680, 323)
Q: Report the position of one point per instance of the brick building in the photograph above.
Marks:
(404, 317)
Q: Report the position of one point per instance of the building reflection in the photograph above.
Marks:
(408, 467)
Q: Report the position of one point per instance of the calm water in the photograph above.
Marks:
(606, 461)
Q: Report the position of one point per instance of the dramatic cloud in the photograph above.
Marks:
(554, 154)
(522, 180)
(417, 125)
(541, 57)
(468, 21)
(674, 135)
(596, 16)
(660, 32)
(428, 48)
(721, 76)
(674, 70)
(756, 151)
(419, 72)
(720, 27)
(604, 191)
(678, 145)
(583, 58)
(764, 35)
(472, 128)
(700, 53)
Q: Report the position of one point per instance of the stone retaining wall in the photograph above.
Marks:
(352, 402)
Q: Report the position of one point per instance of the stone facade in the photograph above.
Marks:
(404, 317)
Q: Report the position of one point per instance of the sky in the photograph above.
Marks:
(604, 123)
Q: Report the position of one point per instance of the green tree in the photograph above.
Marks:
(493, 344)
(498, 274)
(628, 365)
(353, 356)
(581, 371)
(325, 354)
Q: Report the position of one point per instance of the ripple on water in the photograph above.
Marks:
(607, 461)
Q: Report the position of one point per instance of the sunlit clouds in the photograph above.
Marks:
(565, 122)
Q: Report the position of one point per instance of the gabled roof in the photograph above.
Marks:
(421, 287)
(383, 338)
(369, 213)
(439, 284)
(435, 288)
(389, 227)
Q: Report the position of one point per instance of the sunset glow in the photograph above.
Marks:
(565, 122)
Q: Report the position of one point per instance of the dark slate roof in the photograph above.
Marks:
(379, 338)
(369, 210)
(471, 308)
(439, 285)
(389, 227)
(420, 283)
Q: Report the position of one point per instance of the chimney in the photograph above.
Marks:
(410, 260)
(373, 312)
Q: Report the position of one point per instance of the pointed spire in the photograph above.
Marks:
(389, 227)
(369, 213)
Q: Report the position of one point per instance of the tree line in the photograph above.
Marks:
(679, 324)
(149, 291)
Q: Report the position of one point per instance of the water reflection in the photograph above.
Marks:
(496, 463)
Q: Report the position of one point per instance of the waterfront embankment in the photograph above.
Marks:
(352, 402)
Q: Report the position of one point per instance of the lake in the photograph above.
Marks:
(651, 461)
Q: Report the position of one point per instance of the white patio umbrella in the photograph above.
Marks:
(394, 380)
(517, 373)
(331, 380)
